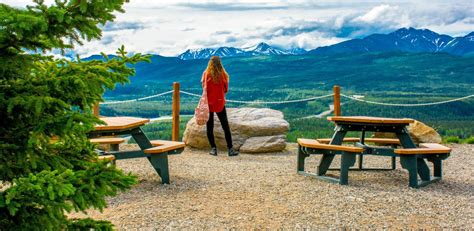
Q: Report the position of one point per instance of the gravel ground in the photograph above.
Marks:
(264, 192)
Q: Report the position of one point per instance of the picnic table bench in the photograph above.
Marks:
(377, 141)
(156, 151)
(412, 158)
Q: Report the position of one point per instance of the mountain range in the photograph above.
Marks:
(375, 71)
(257, 50)
(403, 60)
(401, 40)
(404, 40)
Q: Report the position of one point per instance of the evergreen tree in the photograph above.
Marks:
(48, 167)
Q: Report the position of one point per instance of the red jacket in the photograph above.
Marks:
(216, 92)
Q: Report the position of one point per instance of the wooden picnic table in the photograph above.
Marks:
(120, 123)
(363, 124)
(132, 126)
(415, 164)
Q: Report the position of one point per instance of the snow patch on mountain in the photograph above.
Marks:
(256, 50)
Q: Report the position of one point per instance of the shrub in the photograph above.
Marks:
(469, 140)
(42, 97)
(452, 139)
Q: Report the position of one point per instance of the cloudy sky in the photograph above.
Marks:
(170, 27)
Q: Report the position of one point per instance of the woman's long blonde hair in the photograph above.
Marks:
(216, 70)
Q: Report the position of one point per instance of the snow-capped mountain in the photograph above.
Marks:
(206, 53)
(405, 40)
(259, 49)
(461, 45)
(265, 49)
(419, 40)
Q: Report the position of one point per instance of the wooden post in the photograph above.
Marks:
(96, 109)
(337, 100)
(175, 113)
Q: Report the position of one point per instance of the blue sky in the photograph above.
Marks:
(170, 27)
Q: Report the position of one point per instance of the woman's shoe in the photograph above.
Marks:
(213, 152)
(233, 152)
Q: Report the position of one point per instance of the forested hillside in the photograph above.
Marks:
(396, 72)
(383, 77)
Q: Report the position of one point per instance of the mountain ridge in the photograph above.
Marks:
(259, 49)
(402, 40)
(361, 72)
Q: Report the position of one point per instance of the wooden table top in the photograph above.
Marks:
(120, 123)
(370, 120)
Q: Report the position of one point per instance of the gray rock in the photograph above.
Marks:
(261, 144)
(245, 123)
(422, 133)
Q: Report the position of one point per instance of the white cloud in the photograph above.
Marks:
(376, 12)
(170, 27)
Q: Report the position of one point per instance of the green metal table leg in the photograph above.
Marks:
(300, 159)
(361, 159)
(437, 167)
(327, 159)
(423, 169)
(114, 147)
(160, 163)
(394, 163)
(394, 159)
(407, 142)
(405, 139)
(409, 162)
(324, 164)
(347, 160)
(141, 139)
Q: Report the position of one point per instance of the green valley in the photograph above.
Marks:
(382, 77)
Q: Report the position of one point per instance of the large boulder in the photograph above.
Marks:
(419, 133)
(254, 130)
(422, 133)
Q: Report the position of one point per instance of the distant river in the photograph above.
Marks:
(166, 118)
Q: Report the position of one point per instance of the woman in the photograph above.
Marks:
(217, 82)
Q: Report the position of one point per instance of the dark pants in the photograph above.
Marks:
(225, 125)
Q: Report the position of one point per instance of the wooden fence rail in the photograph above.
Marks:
(175, 113)
(337, 100)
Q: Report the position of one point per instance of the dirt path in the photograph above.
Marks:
(263, 191)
